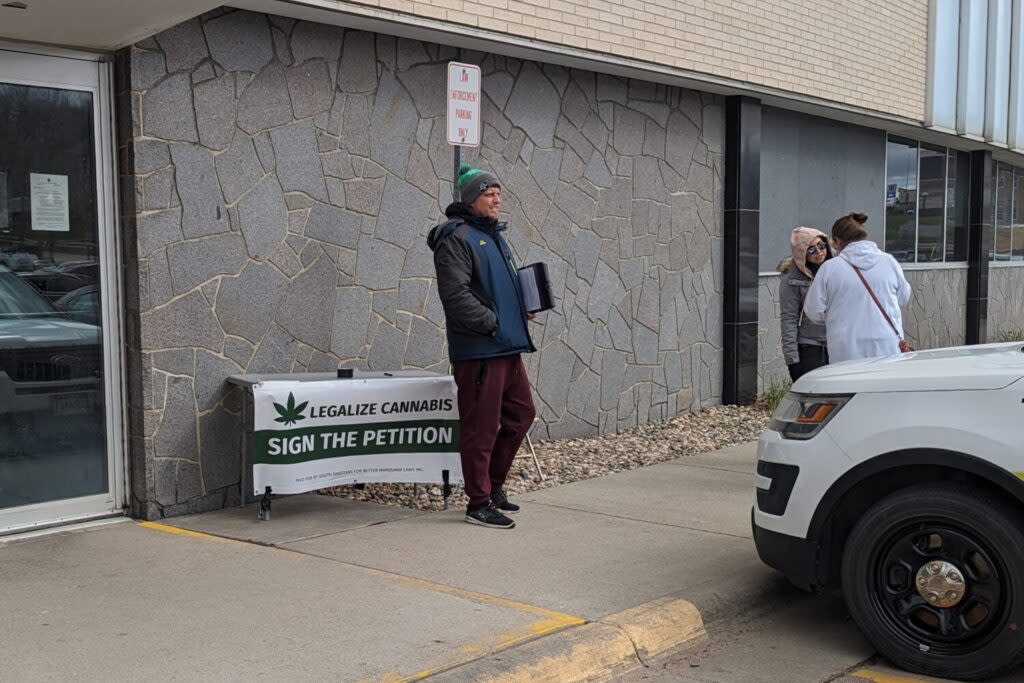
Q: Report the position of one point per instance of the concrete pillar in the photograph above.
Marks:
(742, 225)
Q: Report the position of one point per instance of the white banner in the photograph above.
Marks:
(311, 435)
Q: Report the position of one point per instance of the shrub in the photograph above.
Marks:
(770, 397)
(1010, 335)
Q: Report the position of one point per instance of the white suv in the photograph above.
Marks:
(901, 479)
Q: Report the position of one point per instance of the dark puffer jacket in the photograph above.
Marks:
(478, 286)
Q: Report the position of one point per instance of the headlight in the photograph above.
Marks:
(801, 416)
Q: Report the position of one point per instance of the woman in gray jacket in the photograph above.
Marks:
(803, 341)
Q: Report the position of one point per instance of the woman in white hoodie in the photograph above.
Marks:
(855, 327)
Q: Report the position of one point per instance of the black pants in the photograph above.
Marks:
(811, 357)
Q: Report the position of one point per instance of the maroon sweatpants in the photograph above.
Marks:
(495, 413)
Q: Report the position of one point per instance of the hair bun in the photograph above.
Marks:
(859, 216)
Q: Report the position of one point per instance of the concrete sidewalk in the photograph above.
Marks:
(353, 591)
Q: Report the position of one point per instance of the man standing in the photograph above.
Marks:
(487, 330)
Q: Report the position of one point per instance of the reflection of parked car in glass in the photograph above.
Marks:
(54, 281)
(49, 366)
(17, 258)
(902, 255)
(82, 305)
(87, 269)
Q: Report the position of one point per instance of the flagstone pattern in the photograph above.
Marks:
(280, 179)
(937, 313)
(1005, 294)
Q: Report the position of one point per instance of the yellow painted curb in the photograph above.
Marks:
(178, 531)
(659, 626)
(577, 654)
(595, 651)
(882, 677)
(549, 622)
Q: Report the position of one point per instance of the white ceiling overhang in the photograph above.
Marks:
(103, 25)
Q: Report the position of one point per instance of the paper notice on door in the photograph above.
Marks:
(49, 202)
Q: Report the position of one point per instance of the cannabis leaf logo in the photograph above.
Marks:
(290, 413)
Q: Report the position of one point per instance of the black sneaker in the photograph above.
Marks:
(500, 501)
(488, 515)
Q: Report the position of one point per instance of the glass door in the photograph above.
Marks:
(59, 424)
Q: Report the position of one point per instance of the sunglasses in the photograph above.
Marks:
(817, 247)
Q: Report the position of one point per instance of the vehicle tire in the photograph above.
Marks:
(925, 620)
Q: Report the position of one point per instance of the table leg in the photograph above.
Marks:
(244, 443)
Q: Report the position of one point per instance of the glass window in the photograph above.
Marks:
(958, 181)
(1017, 234)
(931, 204)
(901, 198)
(1004, 213)
(19, 300)
(52, 424)
(926, 202)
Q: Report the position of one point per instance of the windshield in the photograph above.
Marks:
(18, 299)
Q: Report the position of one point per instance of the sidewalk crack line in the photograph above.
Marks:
(642, 521)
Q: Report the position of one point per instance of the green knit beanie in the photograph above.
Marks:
(473, 182)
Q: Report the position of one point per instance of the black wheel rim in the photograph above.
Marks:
(957, 630)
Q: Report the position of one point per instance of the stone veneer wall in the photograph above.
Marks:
(937, 313)
(935, 317)
(771, 366)
(285, 176)
(1005, 294)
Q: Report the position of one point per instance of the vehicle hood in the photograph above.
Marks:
(976, 368)
(51, 332)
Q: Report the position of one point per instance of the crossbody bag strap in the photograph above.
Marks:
(875, 299)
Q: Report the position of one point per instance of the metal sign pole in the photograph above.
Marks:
(455, 178)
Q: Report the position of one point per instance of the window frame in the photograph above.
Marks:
(916, 263)
(1016, 174)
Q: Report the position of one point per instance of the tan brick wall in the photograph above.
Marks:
(865, 53)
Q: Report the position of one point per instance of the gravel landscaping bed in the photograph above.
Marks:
(569, 460)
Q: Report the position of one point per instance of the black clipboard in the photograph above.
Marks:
(536, 288)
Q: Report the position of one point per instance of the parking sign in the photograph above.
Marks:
(463, 104)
